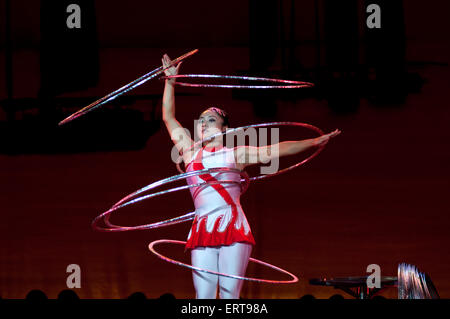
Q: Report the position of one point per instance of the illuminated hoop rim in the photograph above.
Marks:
(127, 87)
(292, 84)
(127, 200)
(161, 241)
(284, 170)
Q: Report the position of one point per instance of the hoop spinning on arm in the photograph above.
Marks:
(309, 126)
(292, 84)
(126, 88)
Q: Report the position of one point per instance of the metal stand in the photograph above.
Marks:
(355, 286)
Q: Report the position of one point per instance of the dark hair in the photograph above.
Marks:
(222, 114)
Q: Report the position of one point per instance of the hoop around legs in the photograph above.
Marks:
(152, 245)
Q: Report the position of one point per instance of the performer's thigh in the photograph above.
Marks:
(205, 284)
(233, 260)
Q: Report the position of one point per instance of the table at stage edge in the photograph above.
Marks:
(355, 286)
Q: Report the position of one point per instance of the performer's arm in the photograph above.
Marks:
(177, 133)
(248, 155)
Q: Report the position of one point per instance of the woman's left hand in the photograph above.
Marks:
(322, 140)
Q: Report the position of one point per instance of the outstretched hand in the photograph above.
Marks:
(322, 140)
(173, 70)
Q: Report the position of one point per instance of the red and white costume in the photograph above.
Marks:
(219, 219)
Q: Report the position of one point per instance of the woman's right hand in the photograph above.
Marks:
(173, 70)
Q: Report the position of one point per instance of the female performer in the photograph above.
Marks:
(220, 238)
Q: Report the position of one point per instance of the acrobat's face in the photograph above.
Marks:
(209, 123)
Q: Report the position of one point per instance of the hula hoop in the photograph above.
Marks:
(309, 126)
(179, 263)
(189, 216)
(124, 89)
(293, 84)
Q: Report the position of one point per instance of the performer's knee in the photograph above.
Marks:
(205, 285)
(230, 288)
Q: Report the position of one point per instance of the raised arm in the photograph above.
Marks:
(249, 155)
(177, 133)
